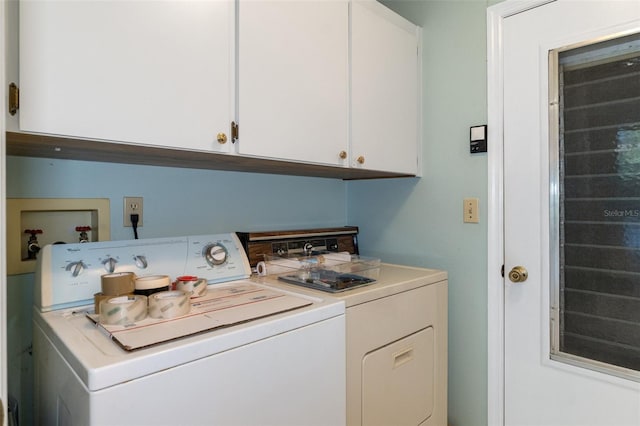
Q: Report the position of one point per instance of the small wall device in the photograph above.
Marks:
(478, 139)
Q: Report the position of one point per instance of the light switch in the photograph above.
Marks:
(470, 210)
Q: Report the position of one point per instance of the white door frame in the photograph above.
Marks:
(495, 204)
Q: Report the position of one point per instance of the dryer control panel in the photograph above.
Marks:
(303, 242)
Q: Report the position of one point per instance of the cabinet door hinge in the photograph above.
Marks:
(235, 131)
(14, 99)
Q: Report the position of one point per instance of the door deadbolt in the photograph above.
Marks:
(518, 274)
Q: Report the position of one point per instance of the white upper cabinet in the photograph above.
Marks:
(313, 82)
(293, 80)
(385, 90)
(145, 72)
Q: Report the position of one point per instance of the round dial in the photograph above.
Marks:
(140, 261)
(308, 248)
(215, 254)
(110, 264)
(76, 268)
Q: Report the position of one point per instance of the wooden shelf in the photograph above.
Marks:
(36, 145)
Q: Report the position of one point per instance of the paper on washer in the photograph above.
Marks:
(221, 306)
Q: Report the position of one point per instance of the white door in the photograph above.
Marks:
(549, 193)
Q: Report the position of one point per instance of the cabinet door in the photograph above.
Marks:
(144, 72)
(385, 89)
(293, 79)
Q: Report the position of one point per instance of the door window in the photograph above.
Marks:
(595, 203)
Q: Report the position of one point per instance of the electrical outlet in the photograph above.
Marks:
(132, 205)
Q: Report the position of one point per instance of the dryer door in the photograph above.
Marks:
(398, 381)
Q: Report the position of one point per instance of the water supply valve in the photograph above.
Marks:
(84, 238)
(33, 246)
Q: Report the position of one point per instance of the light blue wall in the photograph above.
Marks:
(419, 221)
(176, 202)
(184, 201)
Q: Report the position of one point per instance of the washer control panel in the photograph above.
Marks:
(69, 275)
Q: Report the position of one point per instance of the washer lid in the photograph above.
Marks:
(100, 363)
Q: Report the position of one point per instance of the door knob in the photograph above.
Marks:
(518, 274)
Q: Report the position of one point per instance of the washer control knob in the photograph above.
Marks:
(215, 254)
(141, 261)
(109, 264)
(76, 268)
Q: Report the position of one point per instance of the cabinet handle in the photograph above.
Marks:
(222, 138)
(360, 160)
(343, 154)
(14, 99)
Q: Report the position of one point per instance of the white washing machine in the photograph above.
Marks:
(279, 361)
(396, 329)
